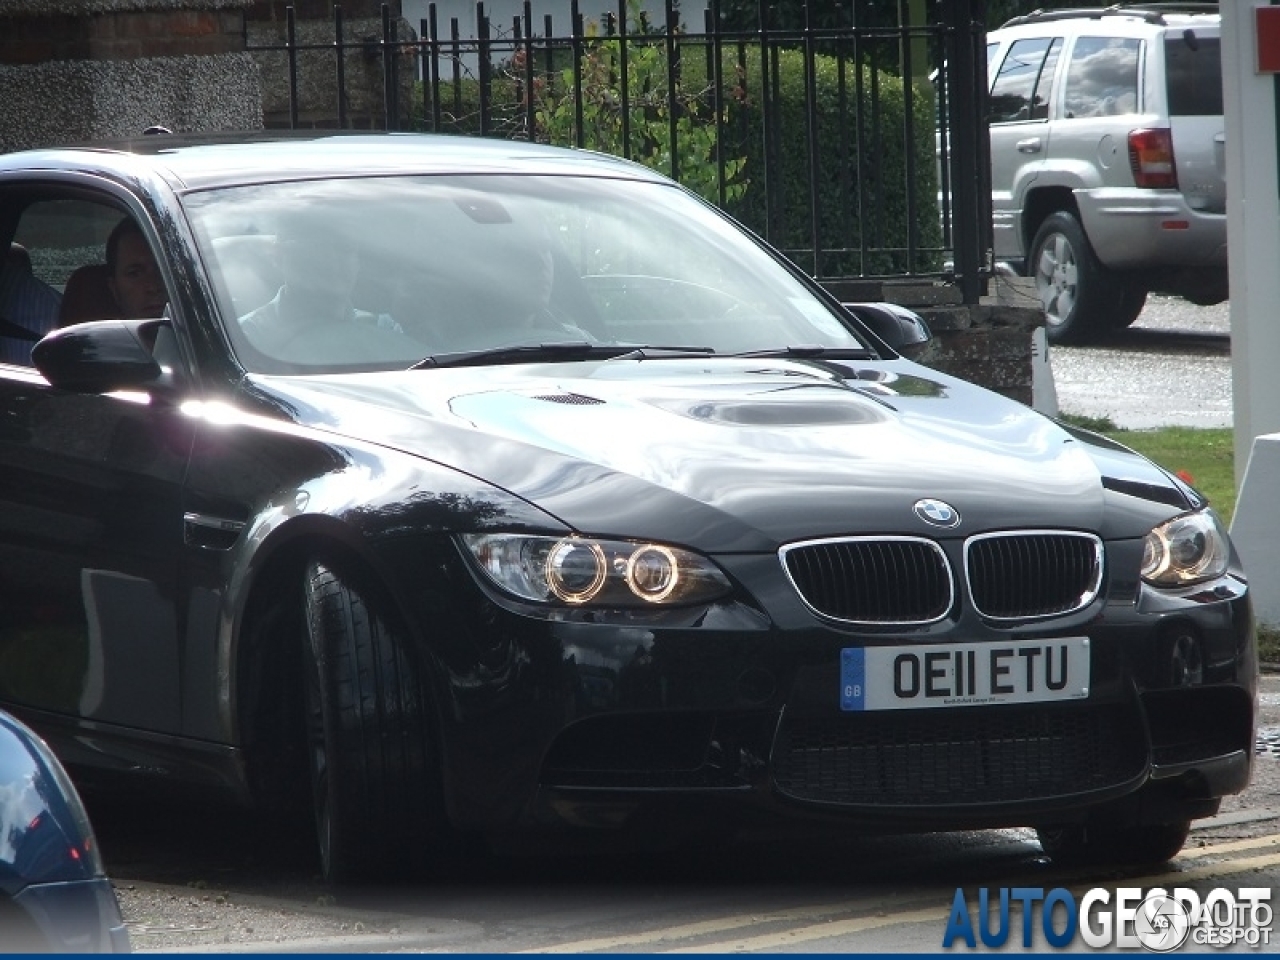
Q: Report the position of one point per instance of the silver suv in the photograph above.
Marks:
(1107, 159)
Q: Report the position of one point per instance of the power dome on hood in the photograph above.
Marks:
(780, 410)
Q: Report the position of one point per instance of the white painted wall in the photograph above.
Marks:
(502, 12)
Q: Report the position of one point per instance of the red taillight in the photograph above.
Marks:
(1151, 159)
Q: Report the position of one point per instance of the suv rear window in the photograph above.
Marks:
(1194, 75)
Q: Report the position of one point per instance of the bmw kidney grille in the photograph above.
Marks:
(1020, 575)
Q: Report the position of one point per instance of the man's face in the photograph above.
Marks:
(136, 282)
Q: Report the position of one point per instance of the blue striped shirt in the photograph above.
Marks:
(27, 302)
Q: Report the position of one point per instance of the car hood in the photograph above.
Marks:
(739, 454)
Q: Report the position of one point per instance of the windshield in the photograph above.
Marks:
(382, 273)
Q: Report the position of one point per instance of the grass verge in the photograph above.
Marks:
(1268, 644)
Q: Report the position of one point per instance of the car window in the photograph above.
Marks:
(1017, 93)
(54, 271)
(61, 234)
(1041, 100)
(437, 265)
(1193, 67)
(1102, 77)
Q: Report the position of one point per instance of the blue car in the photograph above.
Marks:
(54, 893)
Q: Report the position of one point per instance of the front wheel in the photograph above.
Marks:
(1123, 845)
(1080, 297)
(375, 780)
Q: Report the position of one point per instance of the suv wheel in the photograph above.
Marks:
(1080, 298)
(1133, 298)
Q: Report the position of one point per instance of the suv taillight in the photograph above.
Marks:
(1151, 158)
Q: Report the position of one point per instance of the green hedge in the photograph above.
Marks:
(862, 195)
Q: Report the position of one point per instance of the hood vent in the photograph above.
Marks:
(1148, 491)
(572, 399)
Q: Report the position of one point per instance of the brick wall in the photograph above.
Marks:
(319, 9)
(124, 35)
(988, 343)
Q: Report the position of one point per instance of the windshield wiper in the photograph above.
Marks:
(651, 352)
(561, 350)
(519, 353)
(811, 350)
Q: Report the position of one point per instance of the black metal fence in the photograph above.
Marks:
(850, 138)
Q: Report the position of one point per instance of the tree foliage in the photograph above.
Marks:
(998, 11)
(790, 14)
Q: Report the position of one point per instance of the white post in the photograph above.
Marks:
(1253, 237)
(1253, 232)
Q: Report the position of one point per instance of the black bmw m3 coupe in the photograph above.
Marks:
(467, 486)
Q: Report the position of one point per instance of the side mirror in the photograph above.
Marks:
(902, 329)
(100, 356)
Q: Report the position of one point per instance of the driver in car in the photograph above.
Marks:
(312, 316)
(133, 274)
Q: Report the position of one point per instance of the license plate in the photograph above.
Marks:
(964, 674)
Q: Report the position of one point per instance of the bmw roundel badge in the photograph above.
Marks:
(936, 513)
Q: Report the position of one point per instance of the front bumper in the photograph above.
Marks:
(561, 713)
(966, 768)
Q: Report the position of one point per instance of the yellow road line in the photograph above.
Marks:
(740, 921)
(888, 911)
(772, 941)
(1271, 840)
(1224, 869)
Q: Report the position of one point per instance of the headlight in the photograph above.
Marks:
(1188, 549)
(605, 573)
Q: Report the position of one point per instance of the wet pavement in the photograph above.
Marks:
(1171, 368)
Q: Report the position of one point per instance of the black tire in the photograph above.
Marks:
(1121, 845)
(375, 778)
(1081, 298)
(1133, 299)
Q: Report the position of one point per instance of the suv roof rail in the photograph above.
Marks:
(1150, 12)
